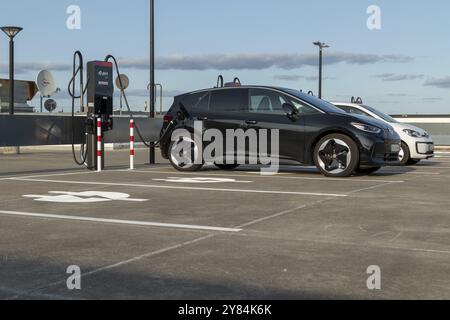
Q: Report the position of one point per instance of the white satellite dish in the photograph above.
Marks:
(50, 105)
(125, 82)
(46, 83)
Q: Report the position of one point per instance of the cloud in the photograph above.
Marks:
(431, 100)
(399, 77)
(286, 77)
(260, 61)
(235, 61)
(297, 78)
(142, 93)
(26, 67)
(443, 83)
(400, 95)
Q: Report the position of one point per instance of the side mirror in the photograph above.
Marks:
(291, 111)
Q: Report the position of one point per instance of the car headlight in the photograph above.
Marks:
(366, 128)
(412, 133)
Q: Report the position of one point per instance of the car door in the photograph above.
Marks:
(266, 112)
(227, 112)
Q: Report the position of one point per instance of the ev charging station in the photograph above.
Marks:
(91, 128)
(100, 91)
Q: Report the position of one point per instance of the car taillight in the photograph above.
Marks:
(168, 118)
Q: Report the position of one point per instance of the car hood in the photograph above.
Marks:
(403, 126)
(367, 120)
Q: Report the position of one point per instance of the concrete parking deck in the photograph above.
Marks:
(221, 235)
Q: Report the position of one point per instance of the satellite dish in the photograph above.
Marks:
(50, 105)
(125, 82)
(46, 83)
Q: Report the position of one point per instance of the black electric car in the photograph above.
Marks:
(311, 131)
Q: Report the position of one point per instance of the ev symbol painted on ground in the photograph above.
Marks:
(83, 197)
(200, 180)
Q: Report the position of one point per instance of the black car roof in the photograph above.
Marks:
(240, 87)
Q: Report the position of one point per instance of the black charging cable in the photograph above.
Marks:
(77, 70)
(149, 144)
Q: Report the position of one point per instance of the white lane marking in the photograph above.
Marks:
(115, 221)
(257, 175)
(414, 172)
(45, 175)
(183, 188)
(83, 197)
(200, 180)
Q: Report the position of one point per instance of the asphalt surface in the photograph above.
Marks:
(296, 235)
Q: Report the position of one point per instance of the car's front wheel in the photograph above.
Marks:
(336, 155)
(185, 155)
(404, 155)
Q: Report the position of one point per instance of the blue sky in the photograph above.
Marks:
(402, 68)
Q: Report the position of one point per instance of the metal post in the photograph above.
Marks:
(131, 144)
(11, 76)
(41, 102)
(320, 72)
(99, 145)
(152, 72)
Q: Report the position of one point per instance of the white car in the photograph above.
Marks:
(417, 144)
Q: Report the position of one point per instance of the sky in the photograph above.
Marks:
(402, 68)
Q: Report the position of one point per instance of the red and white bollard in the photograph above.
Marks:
(99, 144)
(131, 144)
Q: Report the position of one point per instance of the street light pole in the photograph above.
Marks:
(11, 32)
(321, 46)
(152, 72)
(11, 76)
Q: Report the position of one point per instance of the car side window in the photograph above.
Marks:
(229, 100)
(197, 101)
(303, 108)
(266, 101)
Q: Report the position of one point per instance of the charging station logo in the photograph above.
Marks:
(73, 22)
(83, 197)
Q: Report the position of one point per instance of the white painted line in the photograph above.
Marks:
(46, 175)
(414, 172)
(182, 188)
(278, 176)
(114, 221)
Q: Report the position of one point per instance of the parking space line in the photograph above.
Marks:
(257, 175)
(182, 188)
(45, 175)
(115, 221)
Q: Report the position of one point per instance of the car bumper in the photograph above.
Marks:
(380, 152)
(422, 149)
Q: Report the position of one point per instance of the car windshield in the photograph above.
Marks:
(382, 115)
(316, 102)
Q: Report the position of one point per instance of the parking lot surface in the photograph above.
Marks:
(155, 233)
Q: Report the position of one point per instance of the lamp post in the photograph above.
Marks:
(11, 32)
(152, 72)
(321, 46)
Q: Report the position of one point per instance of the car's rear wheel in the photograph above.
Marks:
(226, 166)
(368, 170)
(184, 154)
(336, 155)
(404, 155)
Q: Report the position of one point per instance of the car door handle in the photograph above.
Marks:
(202, 118)
(251, 122)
